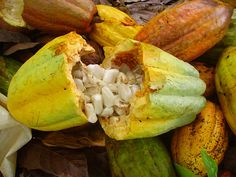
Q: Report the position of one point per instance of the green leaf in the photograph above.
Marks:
(8, 67)
(183, 171)
(210, 164)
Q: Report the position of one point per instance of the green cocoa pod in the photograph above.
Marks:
(8, 68)
(145, 157)
(225, 80)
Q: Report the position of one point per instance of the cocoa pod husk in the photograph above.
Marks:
(59, 16)
(189, 29)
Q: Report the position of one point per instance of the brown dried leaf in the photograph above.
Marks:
(10, 36)
(140, 10)
(20, 46)
(228, 163)
(59, 162)
(229, 159)
(98, 165)
(34, 173)
(76, 138)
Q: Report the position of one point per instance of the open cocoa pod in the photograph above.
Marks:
(138, 90)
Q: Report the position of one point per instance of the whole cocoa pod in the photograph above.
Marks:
(143, 157)
(115, 27)
(229, 39)
(225, 85)
(207, 74)
(188, 29)
(59, 16)
(206, 132)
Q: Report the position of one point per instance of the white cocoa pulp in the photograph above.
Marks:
(106, 92)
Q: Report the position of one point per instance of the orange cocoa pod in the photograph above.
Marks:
(59, 16)
(189, 29)
(207, 74)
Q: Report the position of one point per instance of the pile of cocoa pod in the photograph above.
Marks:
(127, 88)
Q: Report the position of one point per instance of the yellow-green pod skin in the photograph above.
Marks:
(174, 103)
(225, 80)
(42, 94)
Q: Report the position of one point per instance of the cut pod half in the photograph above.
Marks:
(170, 94)
(42, 94)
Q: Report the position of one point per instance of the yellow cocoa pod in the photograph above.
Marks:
(108, 13)
(206, 132)
(115, 26)
(225, 85)
(207, 74)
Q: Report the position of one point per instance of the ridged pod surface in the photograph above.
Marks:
(173, 102)
(229, 39)
(206, 132)
(42, 94)
(189, 29)
(59, 16)
(207, 74)
(115, 26)
(146, 157)
(225, 80)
